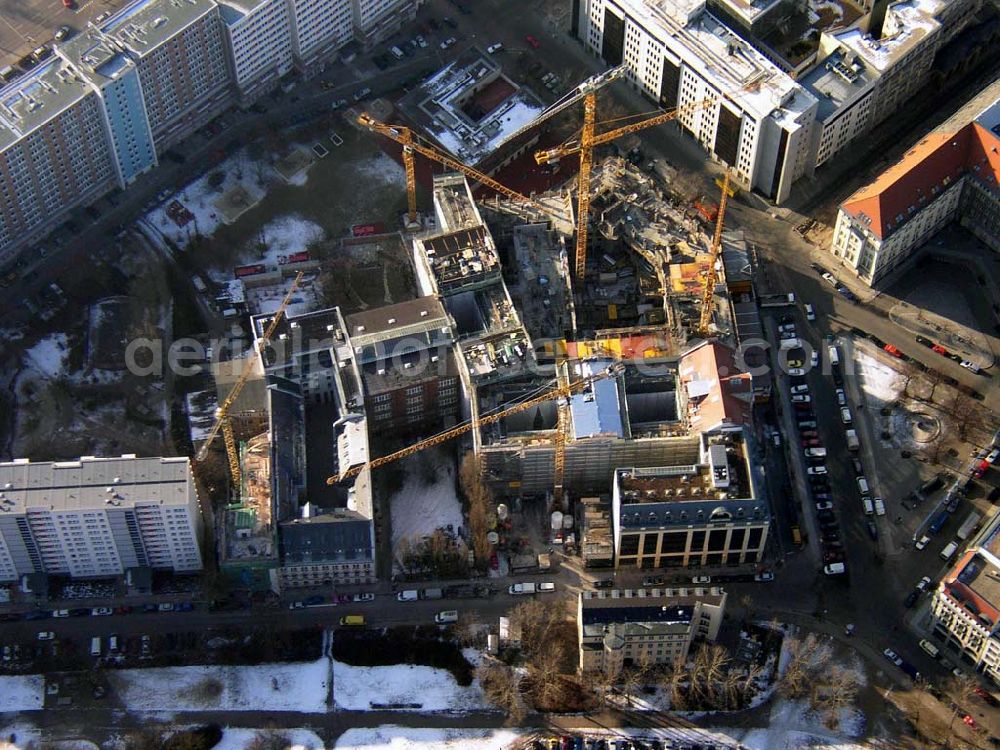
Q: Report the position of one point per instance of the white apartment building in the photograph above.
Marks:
(618, 629)
(320, 27)
(98, 517)
(375, 20)
(259, 42)
(948, 176)
(179, 51)
(966, 605)
(54, 152)
(678, 54)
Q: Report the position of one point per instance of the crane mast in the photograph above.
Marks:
(222, 421)
(712, 275)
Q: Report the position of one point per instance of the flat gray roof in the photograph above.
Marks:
(146, 24)
(835, 81)
(33, 100)
(93, 483)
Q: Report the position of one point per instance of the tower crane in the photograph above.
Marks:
(712, 275)
(222, 421)
(559, 392)
(589, 140)
(411, 145)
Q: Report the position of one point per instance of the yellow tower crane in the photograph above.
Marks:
(559, 392)
(222, 421)
(589, 140)
(712, 274)
(411, 145)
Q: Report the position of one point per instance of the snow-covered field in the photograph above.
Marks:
(48, 356)
(199, 198)
(297, 739)
(357, 688)
(267, 687)
(21, 693)
(880, 383)
(418, 508)
(405, 738)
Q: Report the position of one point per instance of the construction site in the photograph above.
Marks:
(559, 336)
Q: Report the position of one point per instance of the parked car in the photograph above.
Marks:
(605, 583)
(911, 598)
(62, 32)
(46, 635)
(872, 530)
(922, 542)
(924, 583)
(816, 470)
(892, 657)
(101, 611)
(532, 41)
(800, 389)
(363, 598)
(494, 48)
(448, 42)
(652, 581)
(810, 312)
(701, 579)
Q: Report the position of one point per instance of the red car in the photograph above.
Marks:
(532, 41)
(940, 350)
(969, 721)
(893, 350)
(494, 561)
(986, 696)
(68, 3)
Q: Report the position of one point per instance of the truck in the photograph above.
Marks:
(776, 300)
(815, 452)
(937, 522)
(967, 527)
(519, 589)
(853, 443)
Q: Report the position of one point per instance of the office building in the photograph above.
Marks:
(678, 54)
(408, 368)
(966, 605)
(258, 36)
(704, 514)
(98, 517)
(617, 629)
(952, 174)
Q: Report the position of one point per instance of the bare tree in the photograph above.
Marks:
(934, 379)
(967, 414)
(715, 664)
(480, 501)
(543, 670)
(631, 682)
(961, 689)
(807, 658)
(502, 688)
(673, 685)
(604, 680)
(748, 682)
(468, 628)
(935, 446)
(837, 690)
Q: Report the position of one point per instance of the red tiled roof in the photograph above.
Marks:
(729, 391)
(924, 172)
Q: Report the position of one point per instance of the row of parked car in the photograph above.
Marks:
(570, 742)
(814, 452)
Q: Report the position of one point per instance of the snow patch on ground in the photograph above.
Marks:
(383, 168)
(357, 688)
(21, 693)
(880, 383)
(48, 356)
(267, 687)
(418, 508)
(296, 739)
(283, 236)
(405, 738)
(199, 198)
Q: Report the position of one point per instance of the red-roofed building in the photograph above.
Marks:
(966, 605)
(719, 395)
(947, 176)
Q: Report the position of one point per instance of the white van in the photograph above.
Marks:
(863, 486)
(449, 615)
(791, 344)
(929, 647)
(834, 355)
(834, 569)
(879, 506)
(867, 502)
(815, 452)
(845, 416)
(397, 53)
(113, 643)
(948, 551)
(95, 646)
